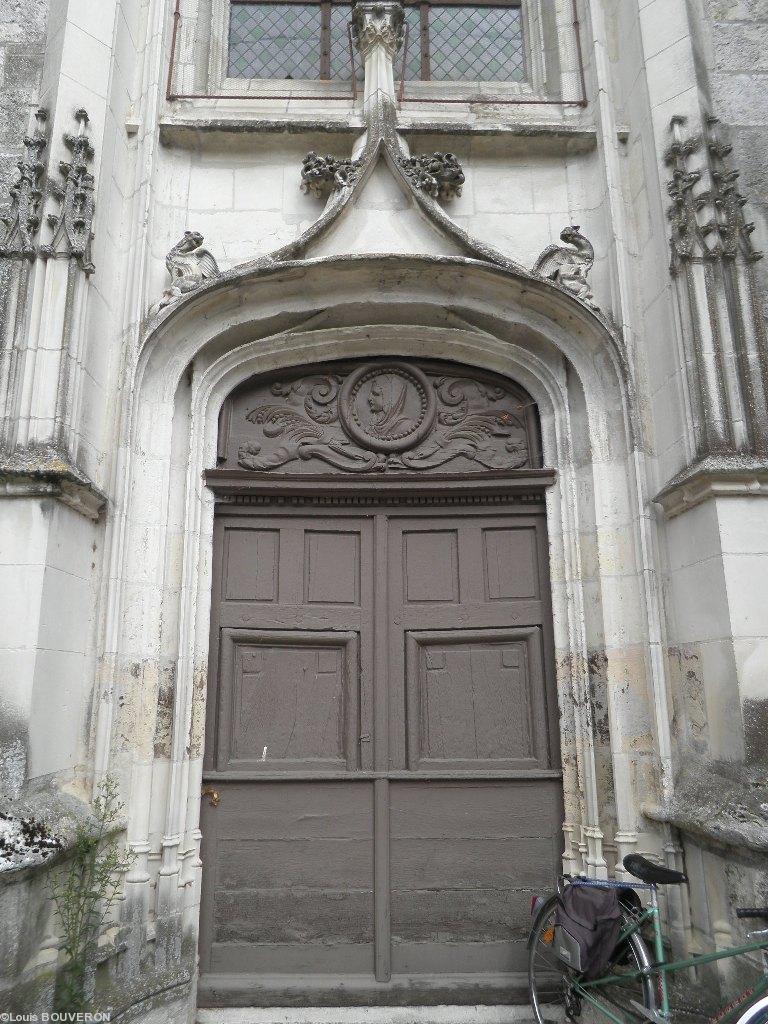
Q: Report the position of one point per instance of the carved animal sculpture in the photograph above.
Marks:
(569, 265)
(189, 265)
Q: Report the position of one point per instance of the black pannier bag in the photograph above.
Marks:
(587, 927)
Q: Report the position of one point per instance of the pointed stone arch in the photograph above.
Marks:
(265, 318)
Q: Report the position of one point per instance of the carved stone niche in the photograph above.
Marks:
(388, 416)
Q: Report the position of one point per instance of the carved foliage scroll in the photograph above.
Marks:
(381, 417)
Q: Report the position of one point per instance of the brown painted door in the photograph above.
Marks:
(381, 733)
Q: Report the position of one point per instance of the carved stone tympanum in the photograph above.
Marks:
(382, 416)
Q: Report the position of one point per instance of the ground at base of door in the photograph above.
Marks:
(372, 1015)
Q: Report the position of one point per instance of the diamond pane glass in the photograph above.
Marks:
(341, 14)
(341, 65)
(478, 44)
(274, 41)
(413, 59)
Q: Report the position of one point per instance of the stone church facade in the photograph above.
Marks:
(383, 465)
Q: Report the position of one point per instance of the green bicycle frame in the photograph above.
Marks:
(660, 968)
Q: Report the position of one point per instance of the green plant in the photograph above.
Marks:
(84, 893)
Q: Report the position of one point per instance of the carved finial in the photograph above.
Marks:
(569, 265)
(322, 174)
(722, 232)
(21, 216)
(439, 175)
(190, 266)
(379, 22)
(71, 227)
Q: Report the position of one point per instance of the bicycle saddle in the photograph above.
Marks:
(649, 872)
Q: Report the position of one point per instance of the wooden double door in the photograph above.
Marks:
(382, 741)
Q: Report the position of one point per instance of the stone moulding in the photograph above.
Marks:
(713, 478)
(44, 471)
(21, 216)
(721, 805)
(712, 266)
(71, 227)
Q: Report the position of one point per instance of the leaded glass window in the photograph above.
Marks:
(446, 42)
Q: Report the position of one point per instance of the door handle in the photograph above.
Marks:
(212, 794)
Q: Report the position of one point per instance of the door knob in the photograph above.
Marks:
(212, 794)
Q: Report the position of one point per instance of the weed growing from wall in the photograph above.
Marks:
(84, 893)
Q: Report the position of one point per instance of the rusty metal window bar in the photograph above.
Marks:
(478, 42)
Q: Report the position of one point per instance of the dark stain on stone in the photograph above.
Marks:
(166, 699)
(755, 731)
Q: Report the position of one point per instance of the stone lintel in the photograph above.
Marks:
(555, 136)
(714, 477)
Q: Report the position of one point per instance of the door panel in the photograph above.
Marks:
(289, 878)
(476, 699)
(295, 700)
(326, 881)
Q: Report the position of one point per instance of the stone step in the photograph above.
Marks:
(370, 1015)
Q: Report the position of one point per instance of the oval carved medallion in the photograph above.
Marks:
(387, 408)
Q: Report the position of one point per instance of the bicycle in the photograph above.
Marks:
(635, 985)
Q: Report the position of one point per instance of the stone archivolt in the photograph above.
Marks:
(382, 417)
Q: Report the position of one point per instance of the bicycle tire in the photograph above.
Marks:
(757, 1013)
(549, 979)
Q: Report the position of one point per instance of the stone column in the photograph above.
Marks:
(377, 29)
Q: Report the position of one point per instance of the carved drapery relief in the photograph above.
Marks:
(379, 417)
(21, 216)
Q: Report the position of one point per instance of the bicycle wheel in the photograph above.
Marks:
(551, 981)
(757, 1013)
